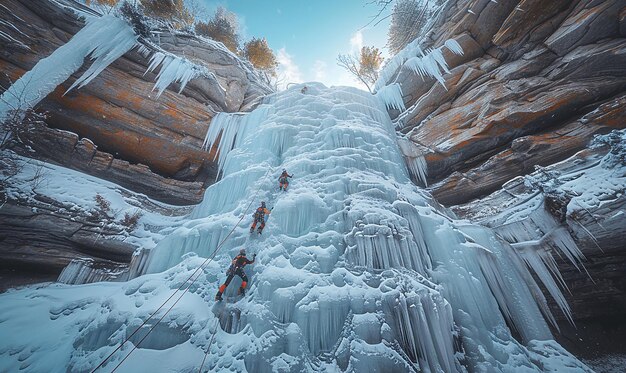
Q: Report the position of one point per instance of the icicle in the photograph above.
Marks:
(454, 46)
(391, 95)
(231, 129)
(113, 37)
(426, 64)
(422, 321)
(175, 69)
(415, 161)
(85, 271)
(105, 38)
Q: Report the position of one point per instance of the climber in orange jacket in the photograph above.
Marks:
(259, 217)
(236, 269)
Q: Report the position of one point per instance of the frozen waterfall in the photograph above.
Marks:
(357, 270)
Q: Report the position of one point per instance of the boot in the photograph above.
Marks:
(251, 229)
(242, 291)
(218, 296)
(260, 230)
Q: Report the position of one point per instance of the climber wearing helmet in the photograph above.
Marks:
(236, 269)
(259, 217)
(283, 180)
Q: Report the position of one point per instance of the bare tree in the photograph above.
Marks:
(364, 67)
(379, 17)
(17, 120)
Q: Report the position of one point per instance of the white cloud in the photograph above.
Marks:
(356, 41)
(243, 27)
(287, 68)
(319, 71)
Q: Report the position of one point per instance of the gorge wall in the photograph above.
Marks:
(117, 128)
(537, 81)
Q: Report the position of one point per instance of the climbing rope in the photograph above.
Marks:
(201, 267)
(214, 332)
(217, 320)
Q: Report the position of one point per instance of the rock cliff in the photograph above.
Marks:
(536, 82)
(119, 112)
(117, 128)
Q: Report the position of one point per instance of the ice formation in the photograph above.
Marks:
(429, 63)
(175, 69)
(357, 269)
(103, 38)
(391, 95)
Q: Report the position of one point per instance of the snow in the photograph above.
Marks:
(104, 39)
(357, 268)
(77, 192)
(582, 185)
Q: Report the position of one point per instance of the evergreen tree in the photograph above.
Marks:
(221, 27)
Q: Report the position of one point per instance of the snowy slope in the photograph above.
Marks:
(357, 269)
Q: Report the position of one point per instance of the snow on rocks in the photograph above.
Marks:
(356, 269)
(104, 39)
(429, 63)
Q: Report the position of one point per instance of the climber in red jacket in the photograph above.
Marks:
(236, 269)
(259, 217)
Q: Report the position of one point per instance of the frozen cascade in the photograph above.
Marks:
(357, 269)
(105, 39)
(82, 271)
(414, 157)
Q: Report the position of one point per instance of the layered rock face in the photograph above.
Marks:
(118, 111)
(116, 128)
(531, 75)
(537, 81)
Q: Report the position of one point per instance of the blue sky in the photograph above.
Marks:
(308, 35)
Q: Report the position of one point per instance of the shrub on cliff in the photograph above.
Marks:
(409, 19)
(173, 11)
(106, 6)
(134, 15)
(260, 55)
(221, 27)
(131, 221)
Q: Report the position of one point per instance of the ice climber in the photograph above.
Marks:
(283, 180)
(304, 89)
(236, 269)
(259, 217)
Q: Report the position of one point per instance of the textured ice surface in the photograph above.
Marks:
(357, 269)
